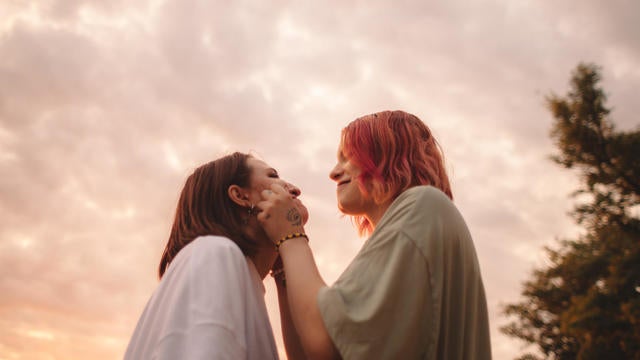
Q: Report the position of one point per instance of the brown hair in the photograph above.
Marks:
(205, 208)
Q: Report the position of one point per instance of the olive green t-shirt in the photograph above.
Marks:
(414, 290)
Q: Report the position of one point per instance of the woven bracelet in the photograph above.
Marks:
(289, 237)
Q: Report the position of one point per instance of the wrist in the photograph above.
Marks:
(291, 236)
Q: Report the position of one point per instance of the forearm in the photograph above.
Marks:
(282, 215)
(303, 284)
(291, 340)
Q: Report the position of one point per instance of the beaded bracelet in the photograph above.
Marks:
(289, 237)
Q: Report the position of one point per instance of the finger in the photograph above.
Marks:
(263, 216)
(278, 189)
(266, 194)
(261, 205)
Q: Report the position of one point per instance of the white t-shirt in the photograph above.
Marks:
(208, 305)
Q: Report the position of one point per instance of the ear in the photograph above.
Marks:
(238, 195)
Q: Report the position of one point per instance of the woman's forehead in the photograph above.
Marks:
(257, 164)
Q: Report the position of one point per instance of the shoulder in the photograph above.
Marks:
(418, 201)
(423, 214)
(211, 247)
(209, 253)
(214, 243)
(434, 207)
(425, 195)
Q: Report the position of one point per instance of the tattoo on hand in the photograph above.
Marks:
(294, 217)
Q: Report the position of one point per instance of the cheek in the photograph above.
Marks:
(264, 184)
(260, 186)
(352, 170)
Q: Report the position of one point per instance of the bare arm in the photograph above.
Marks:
(304, 282)
(279, 218)
(291, 339)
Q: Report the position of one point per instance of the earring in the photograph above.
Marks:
(245, 221)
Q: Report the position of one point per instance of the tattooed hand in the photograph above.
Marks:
(281, 213)
(294, 217)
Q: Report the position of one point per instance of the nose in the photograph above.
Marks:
(336, 172)
(292, 189)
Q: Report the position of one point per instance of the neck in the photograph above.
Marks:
(266, 255)
(375, 214)
(264, 259)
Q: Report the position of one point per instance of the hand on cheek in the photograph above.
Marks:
(281, 213)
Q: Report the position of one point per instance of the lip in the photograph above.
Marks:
(344, 182)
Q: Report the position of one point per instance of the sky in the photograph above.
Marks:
(107, 107)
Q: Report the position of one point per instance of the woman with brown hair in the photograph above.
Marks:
(209, 303)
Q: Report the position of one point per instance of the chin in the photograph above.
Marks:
(344, 209)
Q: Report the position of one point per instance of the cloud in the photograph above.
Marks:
(105, 108)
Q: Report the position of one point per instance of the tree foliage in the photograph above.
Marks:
(586, 303)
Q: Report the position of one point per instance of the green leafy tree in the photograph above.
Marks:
(585, 304)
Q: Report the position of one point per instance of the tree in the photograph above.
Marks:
(585, 304)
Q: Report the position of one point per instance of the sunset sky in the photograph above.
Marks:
(107, 106)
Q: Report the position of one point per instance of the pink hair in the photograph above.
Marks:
(396, 151)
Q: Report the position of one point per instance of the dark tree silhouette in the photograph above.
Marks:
(586, 303)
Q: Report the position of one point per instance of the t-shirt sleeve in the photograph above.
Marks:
(208, 320)
(380, 303)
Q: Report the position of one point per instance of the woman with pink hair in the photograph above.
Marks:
(414, 291)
